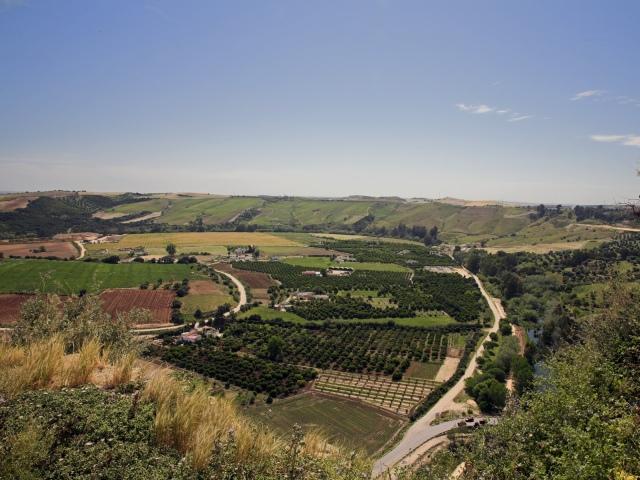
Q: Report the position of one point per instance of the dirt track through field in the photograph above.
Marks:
(422, 431)
(241, 289)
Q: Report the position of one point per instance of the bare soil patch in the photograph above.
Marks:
(77, 237)
(254, 280)
(15, 203)
(10, 305)
(33, 248)
(108, 215)
(447, 369)
(520, 334)
(204, 287)
(122, 300)
(261, 295)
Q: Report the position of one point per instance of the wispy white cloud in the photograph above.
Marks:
(587, 94)
(520, 118)
(481, 108)
(628, 140)
(604, 96)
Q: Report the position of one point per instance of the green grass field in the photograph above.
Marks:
(370, 296)
(153, 205)
(269, 314)
(206, 302)
(427, 370)
(51, 276)
(344, 422)
(213, 210)
(325, 262)
(426, 320)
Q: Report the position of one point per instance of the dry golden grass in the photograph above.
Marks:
(194, 422)
(78, 368)
(122, 370)
(44, 364)
(10, 355)
(38, 366)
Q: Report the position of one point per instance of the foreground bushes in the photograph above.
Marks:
(158, 432)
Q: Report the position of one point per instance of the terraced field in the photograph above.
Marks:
(398, 397)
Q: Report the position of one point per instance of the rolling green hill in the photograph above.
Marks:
(460, 222)
(298, 213)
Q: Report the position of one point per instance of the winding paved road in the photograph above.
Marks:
(421, 430)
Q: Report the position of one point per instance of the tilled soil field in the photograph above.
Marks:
(125, 299)
(10, 304)
(34, 249)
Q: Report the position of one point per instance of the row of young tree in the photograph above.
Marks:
(380, 348)
(339, 306)
(250, 373)
(291, 276)
(406, 254)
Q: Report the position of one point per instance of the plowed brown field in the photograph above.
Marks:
(52, 248)
(10, 304)
(124, 300)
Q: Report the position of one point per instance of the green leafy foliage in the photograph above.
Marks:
(251, 373)
(358, 347)
(292, 277)
(407, 254)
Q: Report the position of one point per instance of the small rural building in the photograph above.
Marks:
(306, 296)
(339, 272)
(312, 273)
(190, 337)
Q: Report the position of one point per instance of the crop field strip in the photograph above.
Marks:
(122, 300)
(52, 276)
(395, 396)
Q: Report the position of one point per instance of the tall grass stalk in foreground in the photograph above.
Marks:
(122, 370)
(78, 368)
(36, 367)
(193, 423)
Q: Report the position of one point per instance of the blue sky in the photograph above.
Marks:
(510, 100)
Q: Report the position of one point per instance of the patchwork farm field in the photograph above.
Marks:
(44, 248)
(188, 242)
(53, 276)
(206, 296)
(343, 421)
(396, 396)
(122, 300)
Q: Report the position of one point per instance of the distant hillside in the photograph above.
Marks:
(460, 221)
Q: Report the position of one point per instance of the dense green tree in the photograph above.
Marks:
(171, 249)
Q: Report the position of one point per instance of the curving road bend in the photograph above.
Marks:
(421, 430)
(243, 292)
